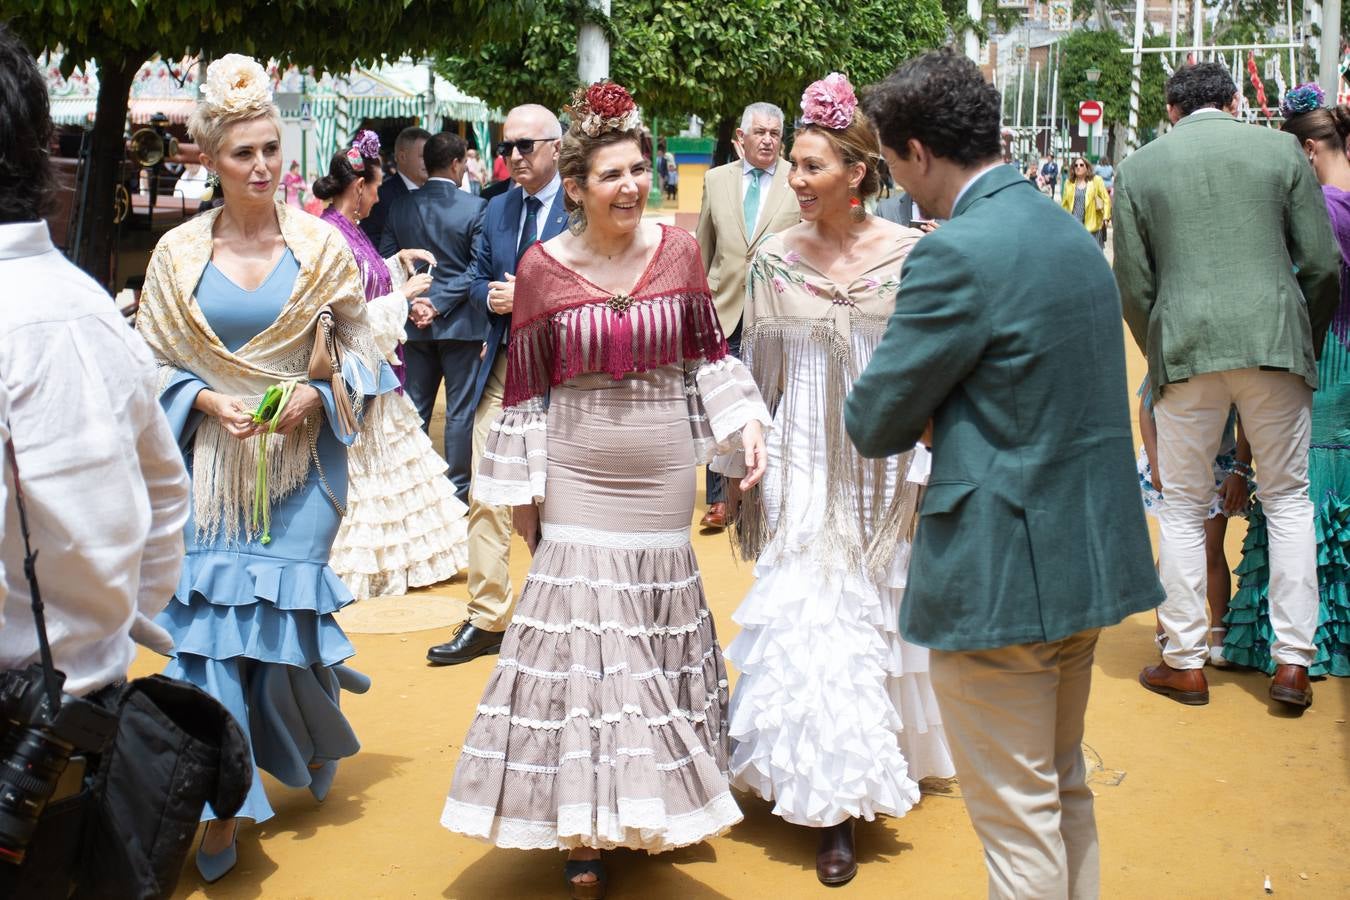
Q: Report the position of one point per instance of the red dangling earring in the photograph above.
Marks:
(856, 209)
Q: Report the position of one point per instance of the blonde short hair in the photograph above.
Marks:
(208, 125)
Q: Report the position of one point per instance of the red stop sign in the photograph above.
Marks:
(1090, 112)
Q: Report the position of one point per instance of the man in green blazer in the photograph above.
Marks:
(1031, 537)
(1229, 276)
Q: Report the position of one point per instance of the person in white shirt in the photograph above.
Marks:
(102, 476)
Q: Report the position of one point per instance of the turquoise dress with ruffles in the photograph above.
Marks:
(1249, 632)
(253, 624)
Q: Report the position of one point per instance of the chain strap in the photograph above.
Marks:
(313, 436)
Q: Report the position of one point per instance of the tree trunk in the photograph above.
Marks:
(724, 152)
(108, 147)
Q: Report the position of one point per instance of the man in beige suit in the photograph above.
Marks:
(743, 203)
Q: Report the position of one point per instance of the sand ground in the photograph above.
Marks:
(1191, 802)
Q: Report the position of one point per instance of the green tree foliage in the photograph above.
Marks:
(1083, 50)
(328, 34)
(705, 57)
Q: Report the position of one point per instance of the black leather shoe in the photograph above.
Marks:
(468, 643)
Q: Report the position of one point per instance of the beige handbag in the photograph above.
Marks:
(325, 364)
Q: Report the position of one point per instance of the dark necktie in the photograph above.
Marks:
(530, 233)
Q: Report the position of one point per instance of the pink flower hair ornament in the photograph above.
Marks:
(829, 102)
(367, 143)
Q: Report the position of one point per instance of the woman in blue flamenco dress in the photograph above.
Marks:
(1321, 132)
(231, 306)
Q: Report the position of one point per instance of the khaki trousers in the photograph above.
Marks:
(490, 598)
(1014, 718)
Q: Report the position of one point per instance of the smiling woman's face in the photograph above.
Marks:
(615, 192)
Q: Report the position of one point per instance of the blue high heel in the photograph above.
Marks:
(321, 779)
(215, 866)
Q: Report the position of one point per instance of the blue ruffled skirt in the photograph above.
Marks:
(253, 626)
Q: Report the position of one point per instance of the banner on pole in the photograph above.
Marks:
(1061, 15)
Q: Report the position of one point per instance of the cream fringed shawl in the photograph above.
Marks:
(792, 312)
(224, 468)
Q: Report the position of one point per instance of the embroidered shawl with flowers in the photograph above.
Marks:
(793, 312)
(224, 469)
(563, 325)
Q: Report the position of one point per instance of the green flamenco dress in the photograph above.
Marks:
(1249, 632)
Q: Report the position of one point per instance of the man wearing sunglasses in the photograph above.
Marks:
(530, 210)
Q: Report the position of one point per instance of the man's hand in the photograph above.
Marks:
(422, 313)
(502, 295)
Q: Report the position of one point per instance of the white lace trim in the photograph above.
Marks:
(580, 712)
(713, 391)
(577, 668)
(593, 628)
(728, 422)
(725, 363)
(604, 760)
(533, 422)
(616, 540)
(491, 491)
(537, 453)
(638, 824)
(574, 580)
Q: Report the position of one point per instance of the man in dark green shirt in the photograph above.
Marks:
(1007, 336)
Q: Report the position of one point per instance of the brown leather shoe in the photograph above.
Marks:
(715, 518)
(1186, 686)
(1290, 686)
(835, 864)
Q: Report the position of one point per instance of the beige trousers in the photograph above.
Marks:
(1014, 718)
(490, 598)
(1276, 412)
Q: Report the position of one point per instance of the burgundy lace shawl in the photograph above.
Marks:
(563, 325)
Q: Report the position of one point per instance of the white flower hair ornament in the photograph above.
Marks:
(235, 83)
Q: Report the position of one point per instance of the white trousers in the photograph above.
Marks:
(1014, 720)
(1276, 413)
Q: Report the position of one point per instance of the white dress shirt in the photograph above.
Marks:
(411, 185)
(103, 477)
(765, 182)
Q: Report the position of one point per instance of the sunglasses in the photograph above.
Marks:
(524, 145)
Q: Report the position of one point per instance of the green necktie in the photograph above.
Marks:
(752, 201)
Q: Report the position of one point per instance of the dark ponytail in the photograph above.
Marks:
(341, 175)
(1328, 125)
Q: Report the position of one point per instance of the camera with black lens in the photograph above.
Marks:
(40, 729)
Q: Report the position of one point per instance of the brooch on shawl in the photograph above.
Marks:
(619, 303)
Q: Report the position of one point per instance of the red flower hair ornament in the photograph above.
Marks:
(604, 106)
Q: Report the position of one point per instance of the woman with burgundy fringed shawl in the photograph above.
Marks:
(603, 723)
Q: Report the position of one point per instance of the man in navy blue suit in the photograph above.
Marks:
(445, 347)
(532, 210)
(411, 175)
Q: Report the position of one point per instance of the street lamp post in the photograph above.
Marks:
(1092, 75)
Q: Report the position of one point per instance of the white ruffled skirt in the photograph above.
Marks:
(833, 716)
(404, 527)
